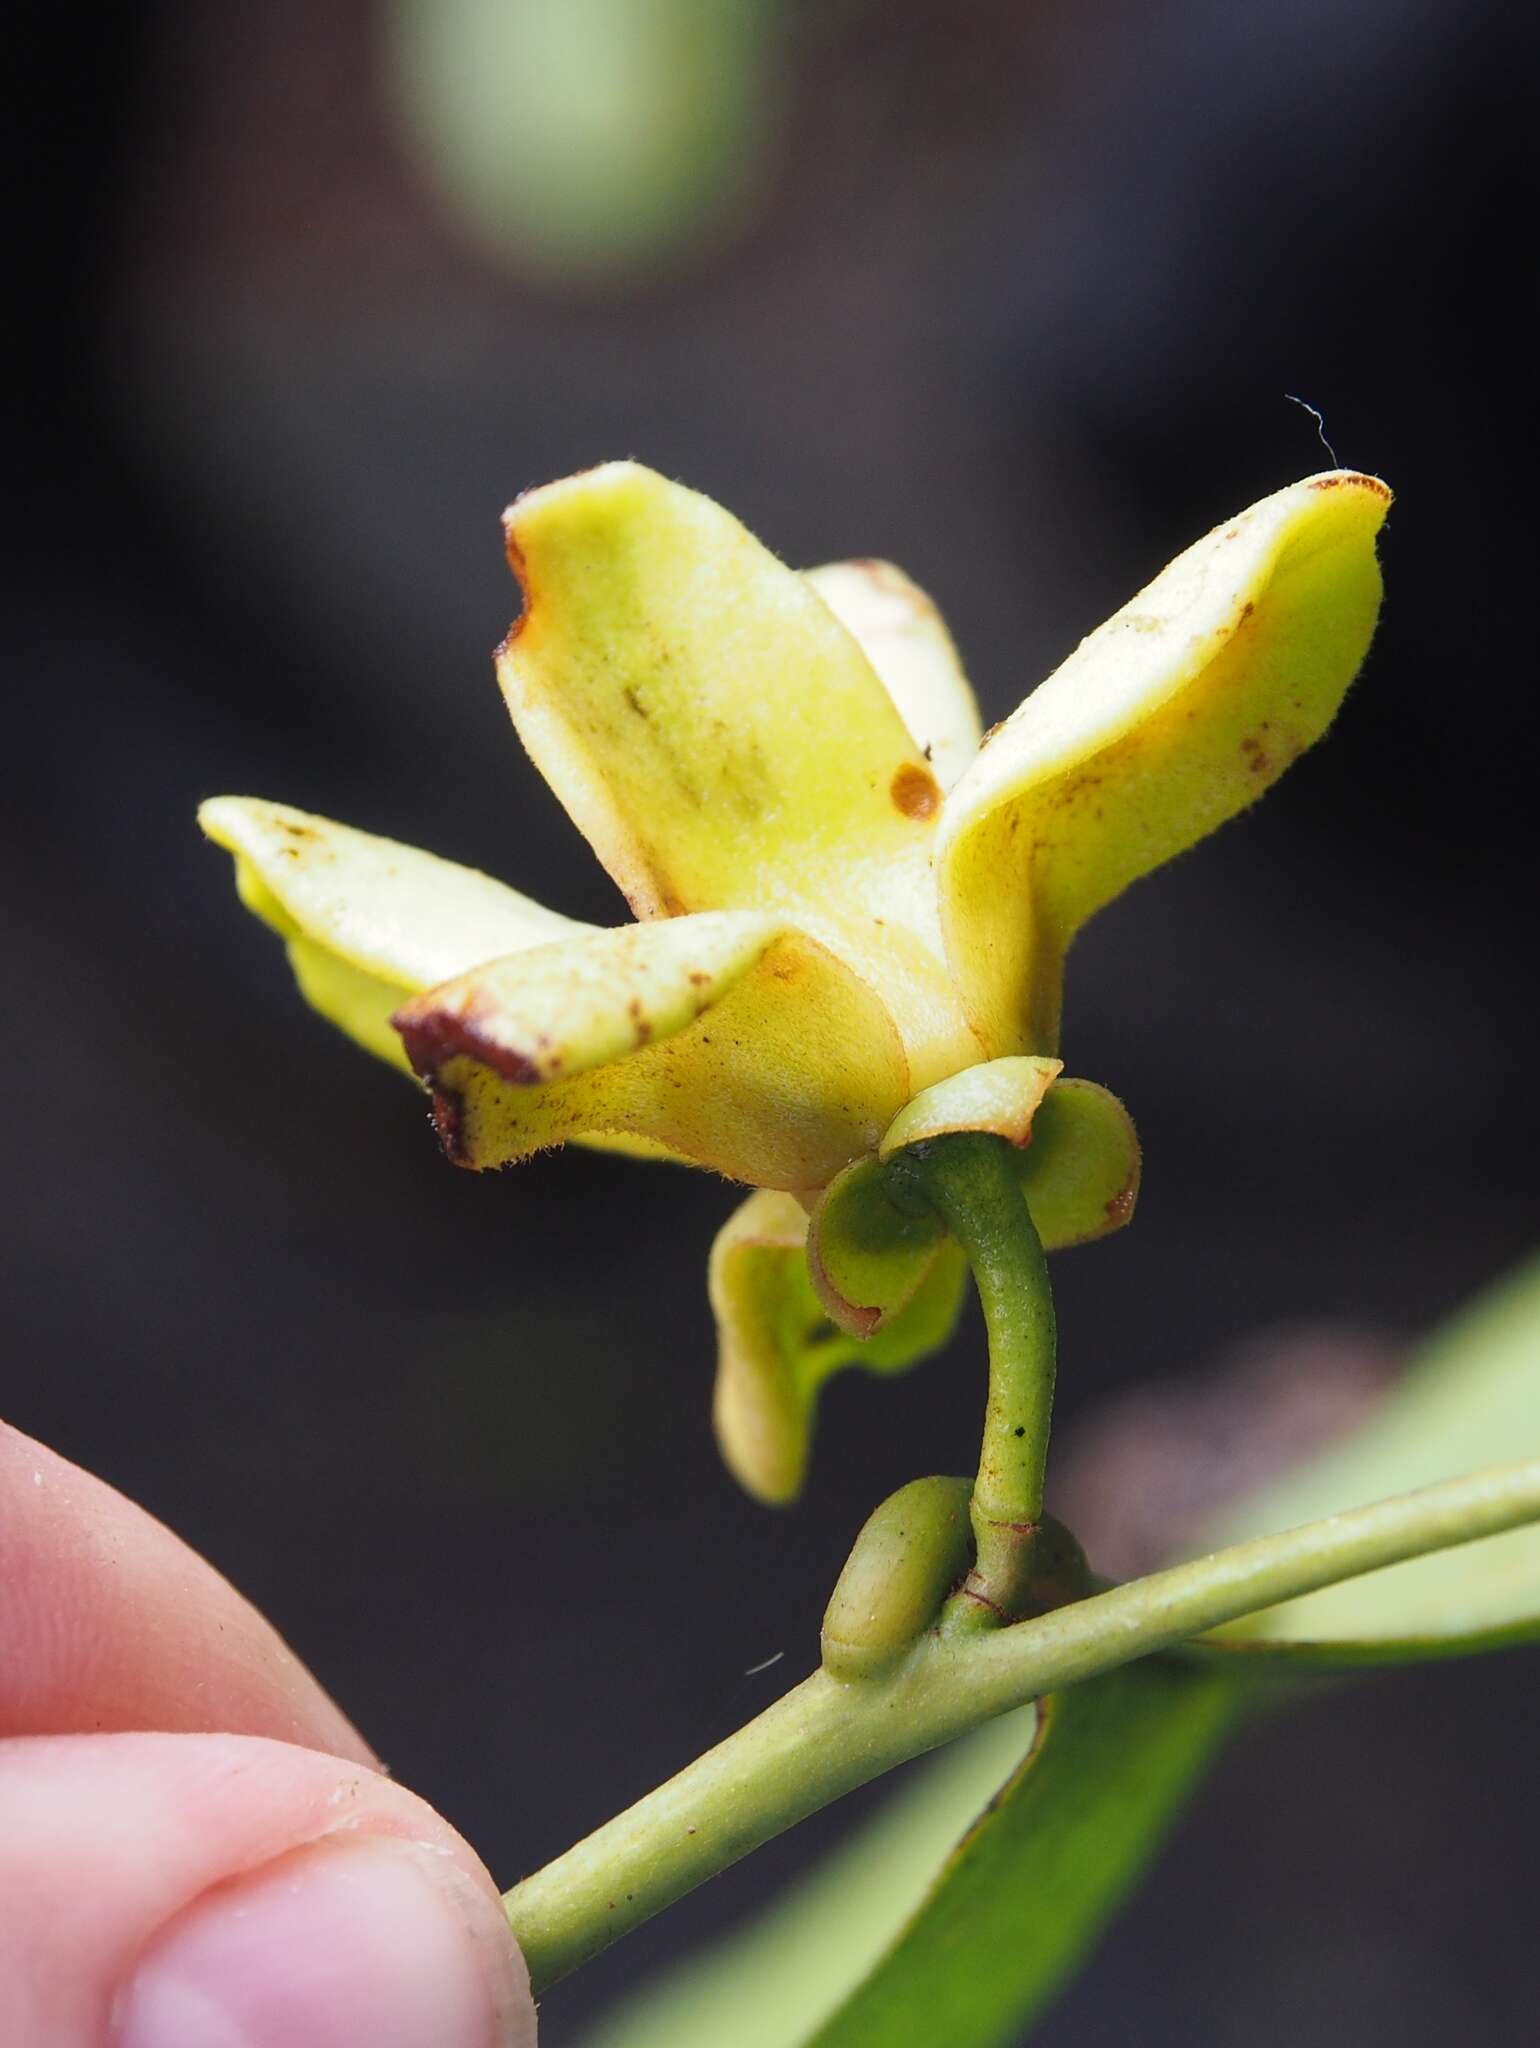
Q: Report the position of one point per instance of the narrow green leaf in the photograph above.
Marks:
(1046, 1864)
(1471, 1398)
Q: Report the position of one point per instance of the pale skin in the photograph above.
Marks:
(197, 1848)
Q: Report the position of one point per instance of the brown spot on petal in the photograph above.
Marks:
(915, 792)
(434, 1037)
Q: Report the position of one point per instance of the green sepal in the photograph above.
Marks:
(1080, 1174)
(867, 1256)
(776, 1345)
(872, 1238)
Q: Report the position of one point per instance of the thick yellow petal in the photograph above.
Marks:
(762, 1406)
(776, 1348)
(721, 739)
(1169, 719)
(337, 897)
(1002, 1096)
(711, 728)
(368, 921)
(729, 1037)
(904, 638)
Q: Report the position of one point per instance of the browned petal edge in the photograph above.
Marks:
(433, 1037)
(449, 1125)
(855, 1319)
(886, 576)
(1354, 477)
(515, 554)
(516, 563)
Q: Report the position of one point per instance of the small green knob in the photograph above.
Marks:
(909, 1556)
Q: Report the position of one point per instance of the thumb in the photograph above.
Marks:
(214, 1891)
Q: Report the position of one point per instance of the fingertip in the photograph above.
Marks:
(362, 1938)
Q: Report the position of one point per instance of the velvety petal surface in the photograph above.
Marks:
(776, 1347)
(728, 1037)
(721, 739)
(367, 921)
(1000, 1096)
(1172, 717)
(903, 636)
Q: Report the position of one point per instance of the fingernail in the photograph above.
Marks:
(353, 1940)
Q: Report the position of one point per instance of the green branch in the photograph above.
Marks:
(828, 1735)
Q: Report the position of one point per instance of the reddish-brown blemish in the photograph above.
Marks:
(698, 977)
(516, 563)
(971, 1592)
(1120, 1206)
(434, 1037)
(449, 1125)
(1357, 480)
(855, 1316)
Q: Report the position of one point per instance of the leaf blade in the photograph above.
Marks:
(1471, 1398)
(1045, 1865)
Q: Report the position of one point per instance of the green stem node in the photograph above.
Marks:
(908, 1557)
(829, 1735)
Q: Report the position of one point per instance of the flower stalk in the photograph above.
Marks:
(969, 1179)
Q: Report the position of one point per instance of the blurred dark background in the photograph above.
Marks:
(1011, 294)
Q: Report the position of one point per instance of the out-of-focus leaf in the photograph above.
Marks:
(585, 137)
(1046, 1864)
(1471, 1398)
(874, 1948)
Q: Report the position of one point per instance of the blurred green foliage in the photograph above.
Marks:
(579, 139)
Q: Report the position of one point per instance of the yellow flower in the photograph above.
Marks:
(853, 916)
